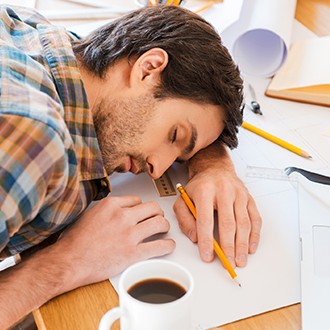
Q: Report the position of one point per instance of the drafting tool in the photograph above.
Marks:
(254, 104)
(283, 174)
(311, 176)
(164, 186)
(267, 173)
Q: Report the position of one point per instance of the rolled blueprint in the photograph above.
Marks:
(259, 40)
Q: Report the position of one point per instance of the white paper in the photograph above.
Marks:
(218, 299)
(24, 3)
(308, 64)
(260, 39)
(314, 213)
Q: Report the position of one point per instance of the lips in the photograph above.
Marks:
(134, 169)
(126, 166)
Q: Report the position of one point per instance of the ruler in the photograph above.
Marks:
(164, 185)
(267, 173)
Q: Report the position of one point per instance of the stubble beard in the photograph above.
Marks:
(119, 127)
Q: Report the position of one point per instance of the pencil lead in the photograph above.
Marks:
(236, 280)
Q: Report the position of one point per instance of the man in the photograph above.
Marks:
(151, 88)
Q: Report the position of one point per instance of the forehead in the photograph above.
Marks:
(182, 109)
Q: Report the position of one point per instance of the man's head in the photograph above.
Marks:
(193, 64)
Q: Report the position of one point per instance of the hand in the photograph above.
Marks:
(110, 236)
(217, 187)
(106, 239)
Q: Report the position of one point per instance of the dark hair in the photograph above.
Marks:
(200, 68)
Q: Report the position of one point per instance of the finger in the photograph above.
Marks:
(187, 222)
(205, 225)
(256, 224)
(145, 210)
(124, 201)
(150, 227)
(243, 228)
(227, 228)
(155, 248)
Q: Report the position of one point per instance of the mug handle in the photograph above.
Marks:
(110, 317)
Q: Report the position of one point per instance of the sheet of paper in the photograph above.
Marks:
(218, 299)
(24, 3)
(308, 64)
(314, 210)
(260, 39)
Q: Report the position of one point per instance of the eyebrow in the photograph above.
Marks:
(191, 145)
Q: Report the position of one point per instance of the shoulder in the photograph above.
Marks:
(37, 180)
(15, 15)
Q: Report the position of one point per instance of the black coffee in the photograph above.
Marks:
(156, 291)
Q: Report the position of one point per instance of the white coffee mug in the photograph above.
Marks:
(135, 314)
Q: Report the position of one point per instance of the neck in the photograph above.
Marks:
(91, 84)
(115, 82)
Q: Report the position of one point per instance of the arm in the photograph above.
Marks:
(214, 185)
(103, 242)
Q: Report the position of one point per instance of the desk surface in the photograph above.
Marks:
(82, 308)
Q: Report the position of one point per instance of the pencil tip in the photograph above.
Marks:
(178, 185)
(236, 280)
(306, 154)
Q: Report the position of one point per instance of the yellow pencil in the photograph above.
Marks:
(207, 5)
(216, 246)
(276, 140)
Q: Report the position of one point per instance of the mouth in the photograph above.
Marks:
(133, 167)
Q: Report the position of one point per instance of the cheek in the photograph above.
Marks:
(212, 133)
(154, 138)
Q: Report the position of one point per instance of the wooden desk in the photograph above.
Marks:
(82, 308)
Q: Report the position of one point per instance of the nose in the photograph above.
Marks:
(158, 164)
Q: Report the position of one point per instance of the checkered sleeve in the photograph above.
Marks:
(35, 183)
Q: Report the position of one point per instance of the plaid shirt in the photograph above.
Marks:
(50, 163)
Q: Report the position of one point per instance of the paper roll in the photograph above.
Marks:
(259, 40)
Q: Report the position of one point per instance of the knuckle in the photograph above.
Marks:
(163, 223)
(176, 207)
(257, 223)
(242, 246)
(205, 242)
(244, 222)
(227, 224)
(166, 246)
(255, 237)
(228, 246)
(154, 206)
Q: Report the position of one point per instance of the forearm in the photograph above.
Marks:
(214, 155)
(32, 283)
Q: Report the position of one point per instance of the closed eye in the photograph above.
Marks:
(173, 138)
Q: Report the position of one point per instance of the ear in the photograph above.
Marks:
(147, 68)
